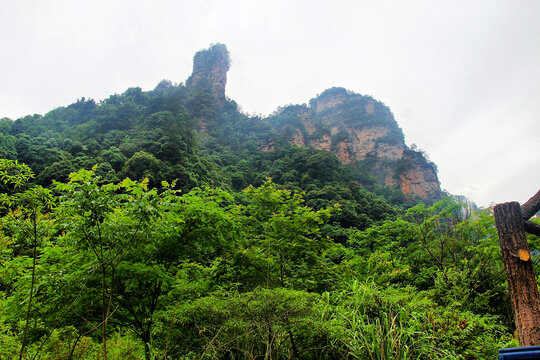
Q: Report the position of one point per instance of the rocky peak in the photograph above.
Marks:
(329, 98)
(360, 129)
(210, 68)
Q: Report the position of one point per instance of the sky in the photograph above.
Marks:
(461, 77)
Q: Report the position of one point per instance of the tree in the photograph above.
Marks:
(105, 221)
(7, 147)
(143, 165)
(522, 282)
(278, 223)
(189, 232)
(27, 223)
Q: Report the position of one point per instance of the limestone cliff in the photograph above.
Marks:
(359, 129)
(210, 68)
(418, 176)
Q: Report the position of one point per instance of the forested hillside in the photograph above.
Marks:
(169, 224)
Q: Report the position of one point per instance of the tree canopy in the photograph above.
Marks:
(164, 224)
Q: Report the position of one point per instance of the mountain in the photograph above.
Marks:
(204, 232)
(358, 129)
(194, 133)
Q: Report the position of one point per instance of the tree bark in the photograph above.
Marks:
(531, 228)
(519, 272)
(531, 207)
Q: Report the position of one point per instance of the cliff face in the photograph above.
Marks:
(418, 177)
(210, 68)
(359, 129)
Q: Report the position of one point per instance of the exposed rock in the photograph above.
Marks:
(370, 108)
(325, 100)
(270, 146)
(298, 138)
(360, 129)
(210, 68)
(322, 143)
(418, 176)
(343, 152)
(390, 151)
(367, 140)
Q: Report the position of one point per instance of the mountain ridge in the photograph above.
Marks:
(356, 128)
(183, 131)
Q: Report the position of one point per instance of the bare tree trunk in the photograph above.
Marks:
(519, 272)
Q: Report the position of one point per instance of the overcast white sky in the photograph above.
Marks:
(461, 77)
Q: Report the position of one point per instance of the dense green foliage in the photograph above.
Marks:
(151, 225)
(122, 270)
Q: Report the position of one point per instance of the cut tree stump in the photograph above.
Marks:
(519, 272)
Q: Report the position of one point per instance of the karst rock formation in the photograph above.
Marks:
(356, 128)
